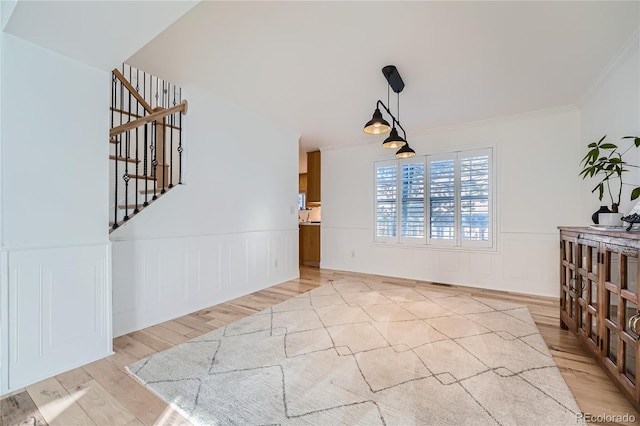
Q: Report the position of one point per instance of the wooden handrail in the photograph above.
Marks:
(149, 118)
(132, 90)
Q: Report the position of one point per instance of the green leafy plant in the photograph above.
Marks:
(605, 161)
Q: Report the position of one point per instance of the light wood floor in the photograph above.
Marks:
(102, 393)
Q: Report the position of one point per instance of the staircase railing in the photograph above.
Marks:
(145, 139)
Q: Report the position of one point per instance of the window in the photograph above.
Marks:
(441, 199)
(301, 201)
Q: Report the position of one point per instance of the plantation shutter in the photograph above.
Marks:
(442, 199)
(412, 201)
(386, 174)
(474, 196)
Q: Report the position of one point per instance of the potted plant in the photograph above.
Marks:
(605, 161)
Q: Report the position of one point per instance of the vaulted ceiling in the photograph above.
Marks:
(315, 67)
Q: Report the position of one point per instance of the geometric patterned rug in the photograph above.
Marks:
(366, 353)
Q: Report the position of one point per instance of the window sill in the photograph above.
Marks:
(434, 247)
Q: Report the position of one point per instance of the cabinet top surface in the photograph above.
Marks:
(632, 235)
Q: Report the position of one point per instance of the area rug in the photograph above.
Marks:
(366, 353)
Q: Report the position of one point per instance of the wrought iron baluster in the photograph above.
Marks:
(130, 95)
(120, 139)
(180, 143)
(115, 187)
(114, 88)
(154, 162)
(157, 96)
(171, 122)
(164, 155)
(126, 177)
(171, 151)
(121, 101)
(136, 210)
(146, 159)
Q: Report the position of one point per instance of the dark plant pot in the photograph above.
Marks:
(603, 209)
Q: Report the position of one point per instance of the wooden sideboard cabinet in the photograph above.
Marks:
(599, 273)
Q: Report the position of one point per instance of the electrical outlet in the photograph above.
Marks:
(292, 209)
(275, 263)
(353, 253)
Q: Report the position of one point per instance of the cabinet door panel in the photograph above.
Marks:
(313, 177)
(612, 311)
(570, 282)
(630, 361)
(621, 345)
(612, 346)
(586, 286)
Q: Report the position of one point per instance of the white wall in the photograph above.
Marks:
(537, 190)
(7, 7)
(230, 230)
(55, 295)
(612, 108)
(54, 124)
(84, 30)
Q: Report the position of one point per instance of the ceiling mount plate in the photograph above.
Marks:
(392, 75)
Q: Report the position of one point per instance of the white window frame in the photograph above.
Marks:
(426, 241)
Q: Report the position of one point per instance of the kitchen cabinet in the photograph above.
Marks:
(302, 182)
(309, 238)
(313, 177)
(599, 273)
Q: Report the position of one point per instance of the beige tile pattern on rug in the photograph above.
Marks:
(359, 353)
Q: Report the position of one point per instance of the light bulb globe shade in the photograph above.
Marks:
(394, 140)
(405, 152)
(377, 125)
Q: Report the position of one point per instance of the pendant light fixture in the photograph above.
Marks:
(394, 140)
(405, 152)
(378, 125)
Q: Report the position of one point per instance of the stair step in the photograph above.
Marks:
(131, 207)
(113, 140)
(134, 176)
(119, 158)
(151, 191)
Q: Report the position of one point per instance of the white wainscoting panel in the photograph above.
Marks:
(155, 280)
(524, 262)
(59, 311)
